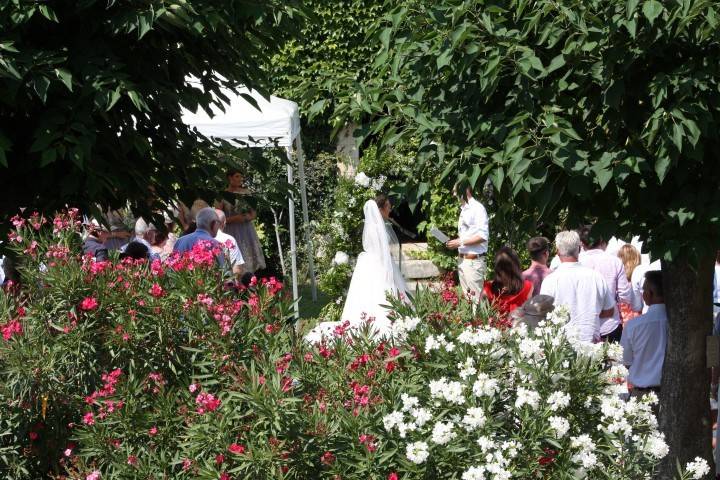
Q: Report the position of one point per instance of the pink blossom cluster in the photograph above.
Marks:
(273, 285)
(88, 304)
(203, 254)
(60, 252)
(11, 329)
(207, 402)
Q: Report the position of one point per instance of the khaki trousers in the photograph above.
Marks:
(472, 276)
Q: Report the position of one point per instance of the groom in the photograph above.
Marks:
(472, 241)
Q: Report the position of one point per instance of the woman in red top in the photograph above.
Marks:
(508, 290)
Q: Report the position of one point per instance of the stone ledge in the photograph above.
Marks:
(419, 269)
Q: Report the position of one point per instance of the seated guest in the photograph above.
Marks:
(94, 243)
(230, 246)
(645, 338)
(539, 248)
(582, 289)
(207, 224)
(508, 290)
(142, 231)
(611, 268)
(136, 251)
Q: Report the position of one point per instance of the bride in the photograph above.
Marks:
(375, 276)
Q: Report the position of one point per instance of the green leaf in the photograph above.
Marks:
(317, 107)
(40, 85)
(693, 131)
(662, 166)
(444, 58)
(652, 9)
(48, 13)
(677, 135)
(556, 63)
(65, 76)
(630, 8)
(113, 97)
(137, 100)
(48, 157)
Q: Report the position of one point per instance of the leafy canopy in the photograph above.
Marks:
(91, 92)
(606, 108)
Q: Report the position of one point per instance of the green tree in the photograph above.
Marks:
(604, 110)
(91, 92)
(329, 56)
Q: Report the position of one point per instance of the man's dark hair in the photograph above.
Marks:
(654, 279)
(587, 238)
(381, 200)
(537, 246)
(136, 251)
(461, 189)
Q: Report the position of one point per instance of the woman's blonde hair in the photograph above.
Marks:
(630, 257)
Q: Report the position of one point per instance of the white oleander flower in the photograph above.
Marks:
(485, 386)
(530, 348)
(474, 473)
(486, 443)
(558, 401)
(403, 428)
(582, 442)
(362, 179)
(560, 425)
(560, 315)
(449, 391)
(586, 459)
(698, 468)
(478, 336)
(421, 416)
(443, 432)
(402, 326)
(615, 352)
(409, 402)
(527, 397)
(417, 452)
(391, 420)
(467, 368)
(340, 258)
(655, 446)
(474, 418)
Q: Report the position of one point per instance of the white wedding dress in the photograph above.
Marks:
(375, 276)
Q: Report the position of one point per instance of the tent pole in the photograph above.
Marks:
(293, 247)
(306, 219)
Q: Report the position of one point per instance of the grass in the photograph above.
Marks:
(308, 308)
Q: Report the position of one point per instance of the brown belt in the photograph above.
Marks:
(647, 389)
(471, 256)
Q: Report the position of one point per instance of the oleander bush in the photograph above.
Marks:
(136, 370)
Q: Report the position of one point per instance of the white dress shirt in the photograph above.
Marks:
(232, 252)
(473, 221)
(613, 271)
(637, 281)
(585, 292)
(644, 341)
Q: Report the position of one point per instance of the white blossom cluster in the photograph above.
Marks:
(495, 380)
(402, 326)
(363, 180)
(697, 469)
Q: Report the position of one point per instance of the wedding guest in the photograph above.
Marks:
(508, 290)
(94, 244)
(716, 285)
(472, 241)
(645, 339)
(239, 221)
(135, 250)
(207, 223)
(539, 248)
(582, 289)
(119, 235)
(613, 271)
(232, 252)
(630, 257)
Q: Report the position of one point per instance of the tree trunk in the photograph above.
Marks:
(685, 391)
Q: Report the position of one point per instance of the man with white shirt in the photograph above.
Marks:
(645, 339)
(582, 289)
(613, 271)
(472, 242)
(637, 281)
(230, 245)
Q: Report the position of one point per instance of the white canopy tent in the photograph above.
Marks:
(275, 124)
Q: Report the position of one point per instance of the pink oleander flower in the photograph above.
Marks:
(219, 458)
(193, 387)
(393, 476)
(207, 402)
(225, 476)
(153, 431)
(156, 290)
(95, 475)
(88, 304)
(10, 329)
(327, 458)
(132, 460)
(187, 464)
(89, 419)
(236, 449)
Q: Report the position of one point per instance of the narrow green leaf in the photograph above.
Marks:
(630, 8)
(556, 63)
(40, 85)
(444, 58)
(113, 97)
(662, 165)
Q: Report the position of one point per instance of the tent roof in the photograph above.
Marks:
(276, 123)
